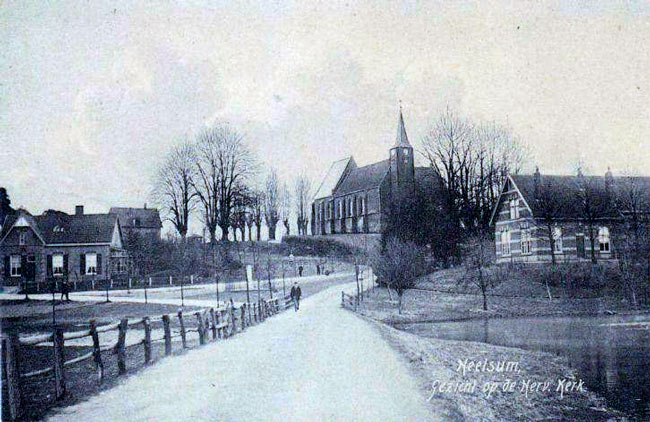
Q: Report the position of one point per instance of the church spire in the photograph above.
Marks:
(402, 140)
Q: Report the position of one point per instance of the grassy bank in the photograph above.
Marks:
(436, 361)
(442, 297)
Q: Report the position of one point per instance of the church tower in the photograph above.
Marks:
(402, 168)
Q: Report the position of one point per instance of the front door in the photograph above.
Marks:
(580, 246)
(30, 268)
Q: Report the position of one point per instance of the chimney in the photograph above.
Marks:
(79, 210)
(537, 181)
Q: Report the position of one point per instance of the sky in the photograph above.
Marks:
(94, 94)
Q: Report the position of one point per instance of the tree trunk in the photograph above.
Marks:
(484, 299)
(258, 232)
(224, 233)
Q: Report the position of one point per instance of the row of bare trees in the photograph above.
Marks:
(214, 176)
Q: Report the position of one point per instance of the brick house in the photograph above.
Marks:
(144, 221)
(55, 245)
(538, 217)
(353, 199)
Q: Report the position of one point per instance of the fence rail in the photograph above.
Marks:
(212, 324)
(352, 301)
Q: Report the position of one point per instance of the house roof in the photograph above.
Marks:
(567, 190)
(333, 177)
(61, 228)
(148, 217)
(363, 178)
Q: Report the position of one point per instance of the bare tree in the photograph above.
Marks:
(285, 207)
(633, 203)
(302, 198)
(478, 257)
(272, 203)
(549, 203)
(593, 204)
(225, 164)
(257, 212)
(173, 187)
(398, 266)
(472, 161)
(241, 202)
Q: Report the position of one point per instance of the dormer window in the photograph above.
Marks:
(57, 229)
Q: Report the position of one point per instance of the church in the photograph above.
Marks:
(353, 199)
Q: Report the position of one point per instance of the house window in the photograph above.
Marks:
(120, 266)
(22, 238)
(557, 239)
(526, 239)
(57, 265)
(350, 209)
(91, 263)
(603, 239)
(361, 210)
(14, 265)
(514, 210)
(505, 242)
(406, 152)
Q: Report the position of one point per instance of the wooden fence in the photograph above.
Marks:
(210, 324)
(352, 301)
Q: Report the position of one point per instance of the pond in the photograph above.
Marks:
(610, 353)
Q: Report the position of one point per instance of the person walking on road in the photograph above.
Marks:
(295, 296)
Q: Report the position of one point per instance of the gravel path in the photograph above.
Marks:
(321, 363)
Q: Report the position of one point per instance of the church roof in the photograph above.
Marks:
(402, 140)
(363, 178)
(333, 176)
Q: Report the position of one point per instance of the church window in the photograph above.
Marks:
(603, 239)
(406, 152)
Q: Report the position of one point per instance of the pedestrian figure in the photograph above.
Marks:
(317, 269)
(65, 290)
(295, 296)
(300, 271)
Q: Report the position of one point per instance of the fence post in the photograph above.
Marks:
(97, 353)
(243, 316)
(130, 283)
(191, 278)
(149, 281)
(59, 360)
(182, 324)
(11, 351)
(232, 320)
(121, 346)
(168, 335)
(147, 340)
(218, 317)
(170, 280)
(255, 313)
(214, 324)
(200, 329)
